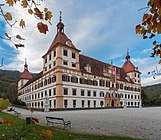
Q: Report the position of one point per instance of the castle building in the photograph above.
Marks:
(72, 80)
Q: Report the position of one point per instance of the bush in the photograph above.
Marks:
(19, 102)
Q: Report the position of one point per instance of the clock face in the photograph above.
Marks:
(68, 43)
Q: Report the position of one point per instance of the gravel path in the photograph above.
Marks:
(142, 123)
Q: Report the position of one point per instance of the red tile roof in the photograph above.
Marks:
(26, 75)
(129, 67)
(62, 39)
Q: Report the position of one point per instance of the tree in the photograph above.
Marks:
(32, 9)
(151, 25)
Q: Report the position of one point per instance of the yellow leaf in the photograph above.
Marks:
(49, 133)
(19, 37)
(48, 15)
(22, 23)
(8, 16)
(149, 26)
(138, 27)
(24, 3)
(30, 11)
(45, 9)
(10, 2)
(43, 28)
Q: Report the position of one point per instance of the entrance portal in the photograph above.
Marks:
(112, 103)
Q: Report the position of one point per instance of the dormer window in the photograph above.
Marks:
(88, 68)
(65, 52)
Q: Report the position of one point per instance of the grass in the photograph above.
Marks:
(35, 132)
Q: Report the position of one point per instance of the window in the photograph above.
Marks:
(50, 103)
(125, 96)
(45, 68)
(45, 93)
(82, 103)
(107, 84)
(94, 93)
(102, 83)
(73, 65)
(49, 56)
(121, 86)
(135, 74)
(94, 103)
(49, 66)
(73, 55)
(66, 78)
(42, 104)
(45, 60)
(74, 103)
(74, 91)
(65, 52)
(49, 92)
(65, 91)
(82, 92)
(131, 96)
(54, 78)
(54, 103)
(101, 103)
(54, 63)
(74, 79)
(88, 93)
(65, 103)
(65, 63)
(88, 103)
(101, 94)
(138, 97)
(128, 96)
(54, 53)
(35, 96)
(54, 91)
(41, 94)
(131, 103)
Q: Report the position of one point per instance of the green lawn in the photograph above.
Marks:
(17, 130)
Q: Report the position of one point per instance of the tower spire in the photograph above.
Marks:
(127, 55)
(60, 19)
(25, 66)
(60, 25)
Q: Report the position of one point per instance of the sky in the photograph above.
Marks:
(103, 30)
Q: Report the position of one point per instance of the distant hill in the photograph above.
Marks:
(152, 95)
(8, 84)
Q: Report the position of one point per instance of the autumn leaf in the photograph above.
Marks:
(49, 133)
(138, 27)
(30, 11)
(45, 9)
(159, 28)
(22, 23)
(24, 4)
(8, 16)
(159, 61)
(10, 2)
(43, 28)
(19, 37)
(48, 15)
(38, 13)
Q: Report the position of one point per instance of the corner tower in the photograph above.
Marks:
(131, 70)
(25, 76)
(61, 55)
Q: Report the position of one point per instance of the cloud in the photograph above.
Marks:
(103, 30)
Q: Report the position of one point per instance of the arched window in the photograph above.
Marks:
(101, 94)
(101, 103)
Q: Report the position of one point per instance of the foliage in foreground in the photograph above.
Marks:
(42, 132)
(4, 104)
